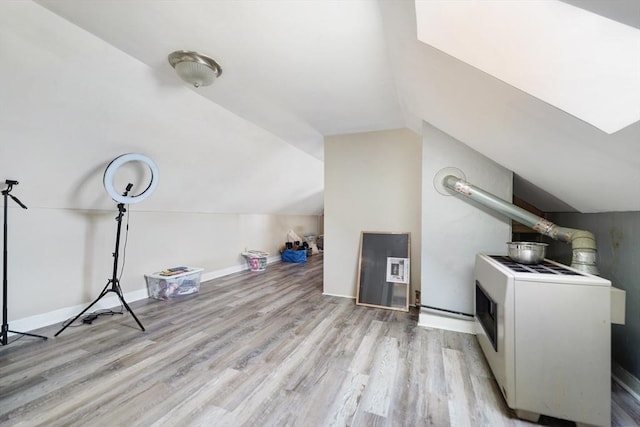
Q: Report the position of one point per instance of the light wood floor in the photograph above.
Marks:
(257, 349)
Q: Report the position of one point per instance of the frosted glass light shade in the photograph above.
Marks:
(195, 73)
(194, 68)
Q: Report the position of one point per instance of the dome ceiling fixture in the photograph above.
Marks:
(195, 68)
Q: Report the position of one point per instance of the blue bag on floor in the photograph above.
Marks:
(289, 255)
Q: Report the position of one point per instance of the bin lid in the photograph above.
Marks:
(255, 254)
(188, 271)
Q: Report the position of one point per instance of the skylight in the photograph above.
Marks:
(580, 62)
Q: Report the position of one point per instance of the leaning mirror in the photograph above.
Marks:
(384, 270)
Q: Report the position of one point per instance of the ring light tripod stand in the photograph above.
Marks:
(114, 282)
(124, 198)
(5, 324)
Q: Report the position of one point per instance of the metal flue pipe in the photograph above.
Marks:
(583, 243)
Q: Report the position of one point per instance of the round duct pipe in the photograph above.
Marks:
(583, 243)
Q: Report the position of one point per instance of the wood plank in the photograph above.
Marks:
(257, 349)
(461, 399)
(378, 392)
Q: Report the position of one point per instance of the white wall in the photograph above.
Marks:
(453, 228)
(503, 122)
(61, 258)
(372, 183)
(71, 103)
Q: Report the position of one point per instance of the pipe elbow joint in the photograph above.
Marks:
(582, 239)
(583, 245)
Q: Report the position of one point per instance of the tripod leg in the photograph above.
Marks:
(124, 303)
(29, 335)
(103, 293)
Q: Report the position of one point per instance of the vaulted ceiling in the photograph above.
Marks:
(302, 70)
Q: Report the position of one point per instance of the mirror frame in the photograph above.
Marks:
(379, 281)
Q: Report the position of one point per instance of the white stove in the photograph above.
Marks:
(545, 331)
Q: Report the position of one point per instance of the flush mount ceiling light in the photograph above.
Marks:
(195, 68)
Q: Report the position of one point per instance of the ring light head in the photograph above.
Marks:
(110, 173)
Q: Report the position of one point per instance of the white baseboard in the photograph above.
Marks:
(338, 295)
(627, 381)
(61, 315)
(108, 302)
(433, 319)
(234, 269)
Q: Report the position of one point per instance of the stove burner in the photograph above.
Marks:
(544, 267)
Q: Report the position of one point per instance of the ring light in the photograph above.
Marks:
(110, 172)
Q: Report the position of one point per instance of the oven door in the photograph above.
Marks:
(487, 315)
(495, 317)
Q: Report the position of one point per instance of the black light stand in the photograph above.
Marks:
(5, 324)
(114, 282)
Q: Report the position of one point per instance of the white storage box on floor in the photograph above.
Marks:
(257, 260)
(163, 286)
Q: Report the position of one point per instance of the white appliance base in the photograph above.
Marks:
(527, 415)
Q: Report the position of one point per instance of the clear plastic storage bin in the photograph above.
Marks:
(164, 287)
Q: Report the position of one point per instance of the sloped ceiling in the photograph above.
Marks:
(582, 166)
(299, 71)
(72, 102)
(592, 72)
